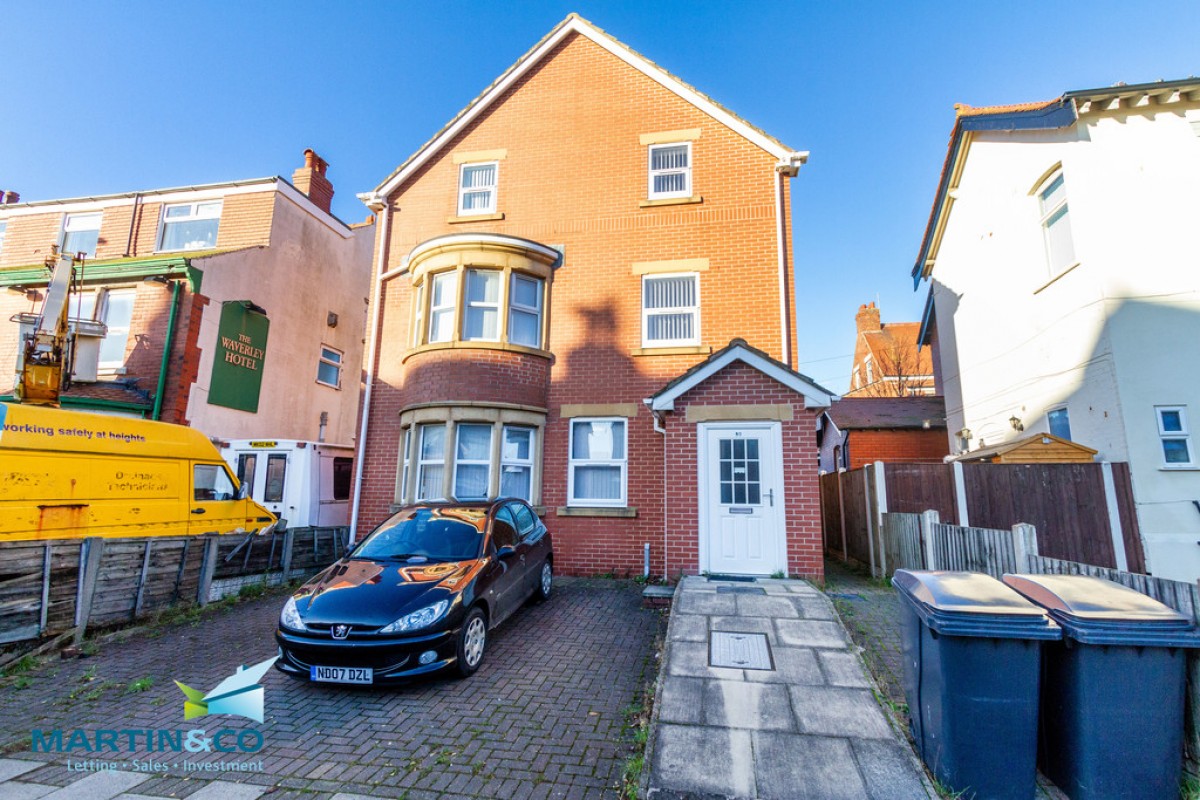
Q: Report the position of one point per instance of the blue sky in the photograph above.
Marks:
(104, 97)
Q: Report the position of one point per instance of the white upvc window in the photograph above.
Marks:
(670, 170)
(598, 462)
(431, 461)
(671, 310)
(525, 311)
(1174, 435)
(81, 233)
(406, 463)
(1056, 224)
(329, 367)
(3, 231)
(477, 185)
(482, 318)
(190, 226)
(472, 461)
(516, 462)
(1059, 421)
(113, 307)
(418, 314)
(443, 296)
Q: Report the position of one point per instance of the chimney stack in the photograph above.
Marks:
(9, 198)
(867, 318)
(311, 180)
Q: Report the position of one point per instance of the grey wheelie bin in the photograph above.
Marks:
(1112, 690)
(972, 660)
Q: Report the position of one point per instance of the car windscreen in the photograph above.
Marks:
(428, 532)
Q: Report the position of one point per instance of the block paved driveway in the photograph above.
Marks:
(543, 718)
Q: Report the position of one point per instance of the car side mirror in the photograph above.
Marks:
(243, 491)
(506, 550)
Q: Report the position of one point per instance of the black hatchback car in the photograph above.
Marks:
(418, 595)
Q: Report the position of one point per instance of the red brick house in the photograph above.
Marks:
(173, 276)
(887, 359)
(584, 298)
(862, 430)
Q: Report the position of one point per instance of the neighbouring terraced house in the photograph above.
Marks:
(584, 297)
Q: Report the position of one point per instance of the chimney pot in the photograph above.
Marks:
(8, 198)
(867, 318)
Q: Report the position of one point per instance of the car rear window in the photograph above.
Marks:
(436, 534)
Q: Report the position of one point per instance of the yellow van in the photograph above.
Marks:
(67, 474)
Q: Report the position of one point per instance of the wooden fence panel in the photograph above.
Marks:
(902, 537)
(1065, 502)
(986, 550)
(831, 513)
(913, 488)
(1135, 557)
(854, 488)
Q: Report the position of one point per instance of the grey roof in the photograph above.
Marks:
(850, 413)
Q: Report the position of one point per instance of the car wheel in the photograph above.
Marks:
(545, 583)
(472, 641)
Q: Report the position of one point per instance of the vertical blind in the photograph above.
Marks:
(670, 308)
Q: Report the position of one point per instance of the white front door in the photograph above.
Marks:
(741, 498)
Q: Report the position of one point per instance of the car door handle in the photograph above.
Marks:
(199, 511)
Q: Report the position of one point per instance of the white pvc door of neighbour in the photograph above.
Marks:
(741, 489)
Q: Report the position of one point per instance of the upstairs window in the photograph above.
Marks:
(525, 311)
(477, 188)
(190, 226)
(113, 307)
(670, 310)
(329, 368)
(1174, 435)
(1056, 224)
(442, 301)
(81, 234)
(3, 231)
(491, 299)
(482, 321)
(670, 170)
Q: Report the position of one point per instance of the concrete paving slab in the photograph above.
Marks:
(24, 791)
(690, 659)
(888, 769)
(755, 706)
(689, 628)
(693, 602)
(811, 633)
(704, 760)
(829, 711)
(682, 701)
(794, 767)
(736, 624)
(344, 796)
(749, 605)
(228, 790)
(802, 588)
(98, 786)
(842, 669)
(12, 767)
(793, 665)
(814, 609)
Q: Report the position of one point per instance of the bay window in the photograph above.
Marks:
(472, 461)
(516, 462)
(431, 461)
(500, 306)
(482, 306)
(597, 474)
(525, 311)
(442, 302)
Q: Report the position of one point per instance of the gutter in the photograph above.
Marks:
(372, 346)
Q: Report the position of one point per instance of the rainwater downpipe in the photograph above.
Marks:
(781, 220)
(659, 427)
(166, 358)
(376, 294)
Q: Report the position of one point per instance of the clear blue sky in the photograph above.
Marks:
(104, 97)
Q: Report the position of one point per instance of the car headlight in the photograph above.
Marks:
(290, 618)
(418, 619)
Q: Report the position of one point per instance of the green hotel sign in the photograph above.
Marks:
(238, 361)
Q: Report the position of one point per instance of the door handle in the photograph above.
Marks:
(771, 497)
(199, 511)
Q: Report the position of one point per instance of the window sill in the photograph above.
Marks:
(671, 351)
(328, 385)
(1054, 280)
(475, 218)
(460, 345)
(1180, 468)
(671, 201)
(596, 511)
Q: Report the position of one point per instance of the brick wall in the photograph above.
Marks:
(573, 174)
(897, 446)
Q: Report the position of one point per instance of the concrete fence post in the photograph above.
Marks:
(868, 499)
(928, 520)
(1116, 533)
(960, 494)
(1024, 545)
(207, 567)
(93, 554)
(881, 508)
(289, 539)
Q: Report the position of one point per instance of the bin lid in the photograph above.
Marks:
(972, 604)
(1098, 611)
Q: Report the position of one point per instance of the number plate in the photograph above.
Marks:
(342, 674)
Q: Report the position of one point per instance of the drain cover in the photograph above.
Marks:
(739, 650)
(741, 590)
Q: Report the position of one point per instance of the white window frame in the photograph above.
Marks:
(1183, 435)
(513, 305)
(486, 461)
(418, 315)
(573, 462)
(1061, 210)
(482, 305)
(336, 364)
(451, 306)
(100, 301)
(424, 462)
(652, 173)
(194, 215)
(647, 342)
(3, 233)
(1049, 426)
(81, 218)
(518, 462)
(493, 190)
(406, 464)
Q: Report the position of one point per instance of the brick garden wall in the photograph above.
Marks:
(897, 446)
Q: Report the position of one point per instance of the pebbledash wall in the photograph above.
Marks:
(568, 129)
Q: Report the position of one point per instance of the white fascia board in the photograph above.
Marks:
(189, 194)
(813, 397)
(576, 25)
